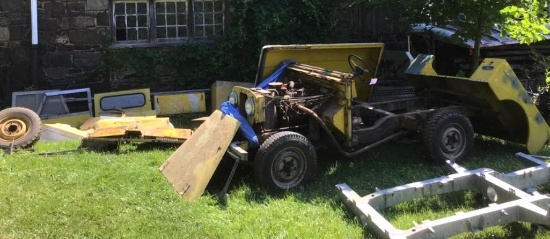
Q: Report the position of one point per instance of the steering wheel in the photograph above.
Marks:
(356, 68)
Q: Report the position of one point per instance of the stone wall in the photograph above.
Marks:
(71, 36)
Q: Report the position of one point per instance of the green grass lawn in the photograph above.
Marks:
(123, 195)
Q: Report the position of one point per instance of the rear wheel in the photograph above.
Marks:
(285, 161)
(448, 135)
(20, 126)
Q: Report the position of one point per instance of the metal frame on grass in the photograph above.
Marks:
(512, 195)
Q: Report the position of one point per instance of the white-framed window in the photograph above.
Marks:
(154, 21)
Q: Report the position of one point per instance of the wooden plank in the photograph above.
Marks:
(191, 166)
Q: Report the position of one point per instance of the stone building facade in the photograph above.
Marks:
(71, 34)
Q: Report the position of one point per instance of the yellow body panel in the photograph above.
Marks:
(179, 103)
(494, 96)
(140, 105)
(220, 90)
(335, 114)
(138, 127)
(73, 119)
(244, 93)
(329, 56)
(506, 86)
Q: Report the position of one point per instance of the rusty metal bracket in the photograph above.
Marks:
(512, 196)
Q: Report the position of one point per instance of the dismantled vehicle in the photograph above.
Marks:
(314, 94)
(102, 122)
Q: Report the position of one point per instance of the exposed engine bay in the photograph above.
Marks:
(281, 100)
(310, 93)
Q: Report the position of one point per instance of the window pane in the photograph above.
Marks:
(209, 30)
(219, 30)
(199, 31)
(120, 9)
(142, 8)
(218, 6)
(130, 8)
(143, 34)
(132, 34)
(160, 7)
(161, 32)
(182, 32)
(161, 19)
(181, 7)
(171, 20)
(120, 22)
(218, 18)
(142, 21)
(208, 18)
(199, 19)
(131, 21)
(208, 6)
(182, 19)
(170, 7)
(198, 6)
(171, 32)
(121, 34)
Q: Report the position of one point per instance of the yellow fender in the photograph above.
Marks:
(494, 97)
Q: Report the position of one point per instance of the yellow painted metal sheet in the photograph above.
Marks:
(499, 104)
(61, 132)
(220, 91)
(136, 102)
(72, 119)
(169, 133)
(328, 56)
(180, 103)
(191, 166)
(130, 122)
(117, 131)
(143, 127)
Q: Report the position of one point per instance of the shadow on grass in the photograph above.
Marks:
(388, 166)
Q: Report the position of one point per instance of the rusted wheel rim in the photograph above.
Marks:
(453, 141)
(289, 167)
(12, 129)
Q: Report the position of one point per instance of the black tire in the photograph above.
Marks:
(448, 135)
(20, 126)
(285, 161)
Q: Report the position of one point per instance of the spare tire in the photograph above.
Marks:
(19, 126)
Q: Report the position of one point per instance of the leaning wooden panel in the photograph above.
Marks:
(191, 166)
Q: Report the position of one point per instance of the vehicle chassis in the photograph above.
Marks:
(512, 195)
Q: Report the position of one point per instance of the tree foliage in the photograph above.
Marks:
(527, 21)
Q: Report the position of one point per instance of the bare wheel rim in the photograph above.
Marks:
(453, 141)
(13, 128)
(288, 168)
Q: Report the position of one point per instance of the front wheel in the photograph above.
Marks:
(448, 135)
(285, 161)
